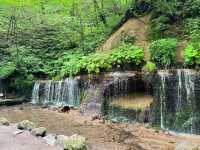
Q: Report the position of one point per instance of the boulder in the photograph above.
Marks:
(74, 142)
(64, 109)
(39, 131)
(26, 125)
(4, 122)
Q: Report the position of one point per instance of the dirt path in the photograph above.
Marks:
(100, 136)
(23, 141)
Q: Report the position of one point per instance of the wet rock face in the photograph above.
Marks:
(122, 96)
(99, 90)
(177, 100)
(92, 101)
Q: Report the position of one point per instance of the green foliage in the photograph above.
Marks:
(56, 39)
(6, 69)
(191, 52)
(149, 67)
(36, 36)
(94, 63)
(168, 17)
(191, 56)
(158, 27)
(192, 8)
(163, 52)
(126, 55)
(192, 30)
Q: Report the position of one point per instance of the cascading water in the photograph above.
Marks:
(177, 100)
(65, 92)
(127, 98)
(119, 87)
(163, 75)
(35, 93)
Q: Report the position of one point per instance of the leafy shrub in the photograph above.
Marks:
(126, 55)
(149, 67)
(191, 56)
(95, 63)
(163, 52)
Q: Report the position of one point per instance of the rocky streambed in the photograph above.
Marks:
(99, 134)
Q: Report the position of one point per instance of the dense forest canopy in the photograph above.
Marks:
(58, 38)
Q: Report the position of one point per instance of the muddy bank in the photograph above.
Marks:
(100, 136)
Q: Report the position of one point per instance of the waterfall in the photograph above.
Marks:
(189, 84)
(190, 94)
(163, 75)
(120, 84)
(179, 96)
(65, 92)
(35, 93)
(176, 99)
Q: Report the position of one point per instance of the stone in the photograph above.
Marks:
(50, 139)
(74, 142)
(4, 122)
(39, 131)
(64, 109)
(26, 125)
(95, 117)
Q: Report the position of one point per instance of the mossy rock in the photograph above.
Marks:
(26, 125)
(74, 142)
(4, 122)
